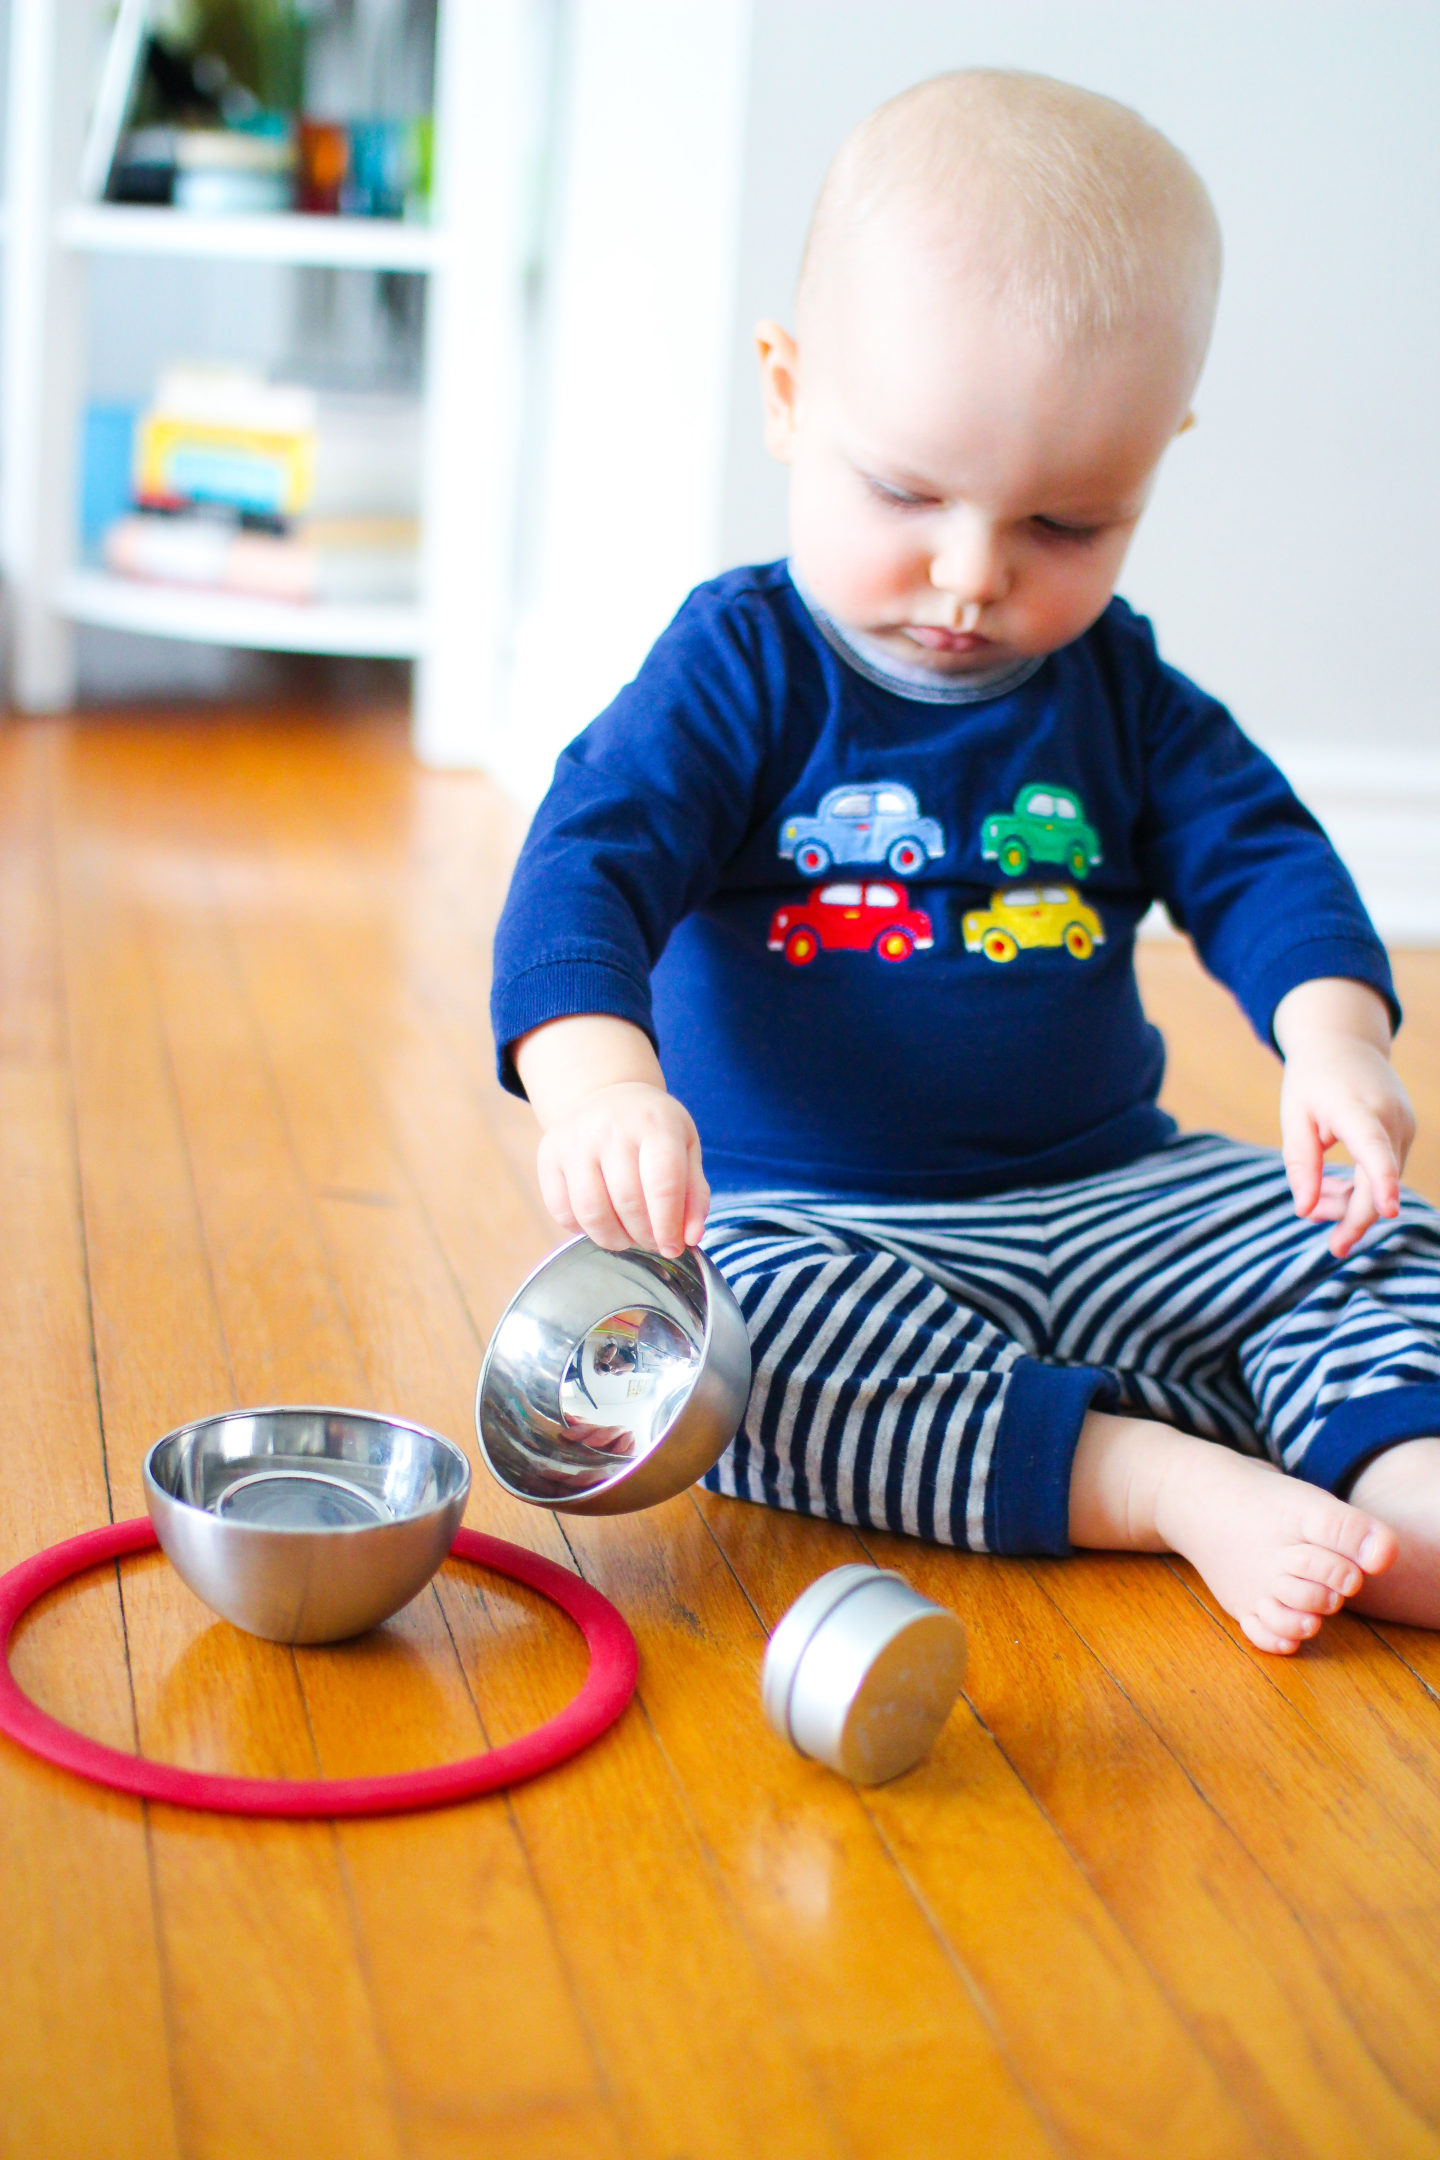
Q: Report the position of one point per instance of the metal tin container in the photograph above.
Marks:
(862, 1672)
(613, 1380)
(305, 1525)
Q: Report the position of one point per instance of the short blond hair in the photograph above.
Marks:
(1075, 213)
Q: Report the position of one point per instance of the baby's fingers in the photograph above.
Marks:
(592, 1202)
(664, 1176)
(1359, 1214)
(1303, 1155)
(627, 1187)
(554, 1189)
(697, 1195)
(1335, 1189)
(1376, 1155)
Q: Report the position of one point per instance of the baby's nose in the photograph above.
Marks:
(969, 564)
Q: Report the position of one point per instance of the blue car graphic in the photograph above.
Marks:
(878, 823)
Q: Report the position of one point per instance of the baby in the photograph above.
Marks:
(843, 890)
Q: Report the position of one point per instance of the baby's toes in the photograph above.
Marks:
(1265, 1637)
(1322, 1570)
(1339, 1528)
(1304, 1596)
(1282, 1619)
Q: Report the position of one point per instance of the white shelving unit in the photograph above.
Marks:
(341, 243)
(216, 618)
(488, 92)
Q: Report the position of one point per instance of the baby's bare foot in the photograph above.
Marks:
(1280, 1555)
(1402, 1487)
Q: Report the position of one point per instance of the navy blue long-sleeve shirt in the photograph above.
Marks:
(883, 939)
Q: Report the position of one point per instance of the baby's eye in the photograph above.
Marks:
(1076, 534)
(897, 498)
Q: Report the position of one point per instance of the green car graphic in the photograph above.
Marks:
(1046, 825)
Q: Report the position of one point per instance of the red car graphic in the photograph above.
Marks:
(850, 918)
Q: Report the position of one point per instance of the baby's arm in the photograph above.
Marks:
(1339, 1086)
(620, 1158)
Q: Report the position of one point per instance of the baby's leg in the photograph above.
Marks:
(884, 1396)
(1402, 1487)
(1278, 1554)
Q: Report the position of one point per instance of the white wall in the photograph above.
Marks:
(1291, 557)
(627, 472)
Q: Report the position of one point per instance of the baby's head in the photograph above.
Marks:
(1004, 305)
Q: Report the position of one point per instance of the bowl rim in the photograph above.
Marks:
(625, 1470)
(151, 1484)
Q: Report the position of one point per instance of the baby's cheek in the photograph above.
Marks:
(849, 574)
(855, 590)
(849, 556)
(1060, 600)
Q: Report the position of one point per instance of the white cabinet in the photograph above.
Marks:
(490, 74)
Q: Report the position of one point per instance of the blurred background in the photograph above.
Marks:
(410, 338)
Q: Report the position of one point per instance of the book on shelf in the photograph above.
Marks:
(244, 485)
(214, 171)
(316, 561)
(227, 435)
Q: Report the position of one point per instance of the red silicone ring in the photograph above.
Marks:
(609, 1685)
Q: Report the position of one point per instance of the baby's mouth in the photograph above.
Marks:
(935, 639)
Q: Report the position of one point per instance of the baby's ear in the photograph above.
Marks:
(778, 357)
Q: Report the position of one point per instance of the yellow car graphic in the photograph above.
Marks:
(1033, 915)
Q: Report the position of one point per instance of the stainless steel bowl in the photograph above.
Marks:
(305, 1525)
(613, 1381)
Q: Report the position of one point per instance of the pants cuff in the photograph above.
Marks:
(1027, 1499)
(1364, 1427)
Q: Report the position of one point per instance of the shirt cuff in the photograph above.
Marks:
(1343, 954)
(559, 990)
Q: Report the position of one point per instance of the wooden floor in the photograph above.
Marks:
(1154, 1895)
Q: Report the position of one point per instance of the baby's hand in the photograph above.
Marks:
(620, 1159)
(1339, 1087)
(624, 1167)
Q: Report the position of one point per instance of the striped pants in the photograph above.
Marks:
(927, 1366)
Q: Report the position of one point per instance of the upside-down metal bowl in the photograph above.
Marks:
(613, 1380)
(305, 1525)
